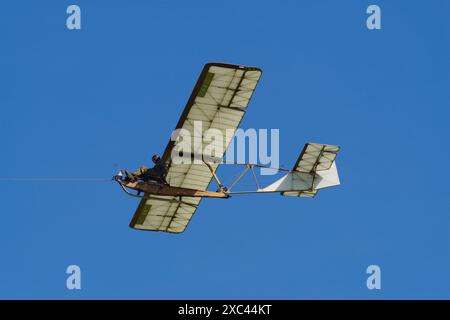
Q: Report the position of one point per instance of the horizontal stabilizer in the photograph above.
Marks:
(316, 157)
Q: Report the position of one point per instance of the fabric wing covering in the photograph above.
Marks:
(315, 157)
(219, 101)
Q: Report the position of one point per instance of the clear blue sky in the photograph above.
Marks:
(74, 103)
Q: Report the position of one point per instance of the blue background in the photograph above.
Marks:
(74, 103)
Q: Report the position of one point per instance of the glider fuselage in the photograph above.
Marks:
(167, 190)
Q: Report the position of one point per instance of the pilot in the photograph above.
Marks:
(146, 174)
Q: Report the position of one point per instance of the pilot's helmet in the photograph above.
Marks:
(155, 158)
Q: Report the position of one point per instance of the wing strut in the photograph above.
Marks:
(221, 186)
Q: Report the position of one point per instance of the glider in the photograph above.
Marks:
(219, 100)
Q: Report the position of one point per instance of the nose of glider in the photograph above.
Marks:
(118, 176)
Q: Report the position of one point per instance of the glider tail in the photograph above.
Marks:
(315, 169)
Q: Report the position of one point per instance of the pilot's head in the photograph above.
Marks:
(155, 158)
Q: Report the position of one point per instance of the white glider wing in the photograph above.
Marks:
(219, 101)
